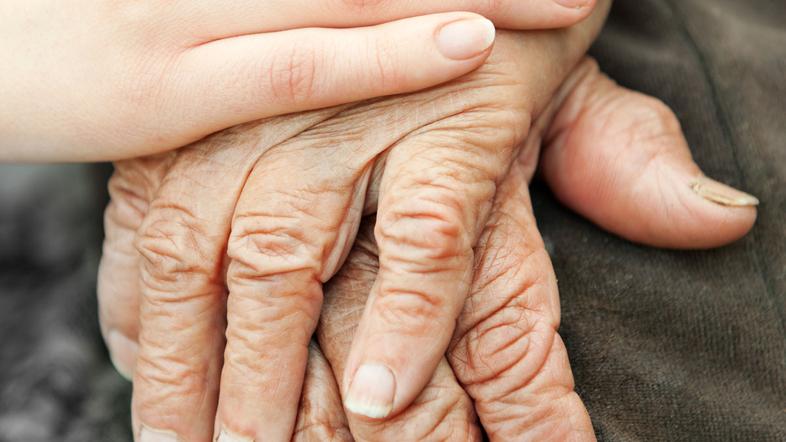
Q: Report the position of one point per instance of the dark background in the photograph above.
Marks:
(665, 345)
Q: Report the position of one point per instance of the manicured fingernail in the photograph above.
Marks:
(372, 391)
(465, 39)
(226, 436)
(574, 4)
(147, 434)
(722, 194)
(122, 352)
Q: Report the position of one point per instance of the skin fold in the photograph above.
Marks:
(193, 238)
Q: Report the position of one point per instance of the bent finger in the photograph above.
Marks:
(506, 350)
(131, 189)
(620, 158)
(290, 233)
(435, 197)
(182, 309)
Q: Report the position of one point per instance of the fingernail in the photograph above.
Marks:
(722, 194)
(372, 391)
(147, 434)
(573, 4)
(226, 436)
(122, 352)
(465, 39)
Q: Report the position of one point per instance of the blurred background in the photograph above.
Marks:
(56, 381)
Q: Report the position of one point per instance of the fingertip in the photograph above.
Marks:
(371, 392)
(715, 215)
(466, 39)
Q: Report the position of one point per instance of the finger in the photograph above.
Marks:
(506, 350)
(181, 242)
(215, 20)
(321, 417)
(620, 159)
(290, 233)
(130, 189)
(255, 76)
(435, 198)
(442, 412)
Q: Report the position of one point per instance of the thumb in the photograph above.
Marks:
(620, 158)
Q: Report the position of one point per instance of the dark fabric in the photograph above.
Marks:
(688, 346)
(665, 345)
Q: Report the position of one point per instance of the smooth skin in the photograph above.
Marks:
(88, 80)
(187, 211)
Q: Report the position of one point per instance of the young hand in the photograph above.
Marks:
(100, 80)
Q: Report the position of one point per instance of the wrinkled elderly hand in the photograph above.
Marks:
(509, 365)
(289, 193)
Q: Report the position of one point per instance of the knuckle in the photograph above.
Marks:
(127, 207)
(654, 118)
(292, 74)
(498, 342)
(411, 309)
(165, 376)
(514, 328)
(172, 243)
(262, 246)
(423, 230)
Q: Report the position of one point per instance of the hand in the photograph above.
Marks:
(178, 305)
(506, 351)
(90, 80)
(283, 199)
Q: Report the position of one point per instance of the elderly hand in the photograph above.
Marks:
(93, 80)
(289, 228)
(506, 356)
(506, 351)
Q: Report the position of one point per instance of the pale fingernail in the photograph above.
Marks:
(122, 352)
(573, 4)
(372, 391)
(722, 194)
(226, 436)
(465, 39)
(147, 434)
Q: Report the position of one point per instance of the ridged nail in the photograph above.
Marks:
(465, 39)
(147, 434)
(722, 194)
(372, 391)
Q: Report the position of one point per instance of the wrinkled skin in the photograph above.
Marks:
(182, 211)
